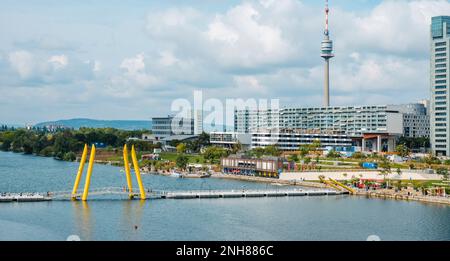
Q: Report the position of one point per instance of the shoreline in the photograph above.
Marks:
(268, 180)
(368, 194)
(397, 196)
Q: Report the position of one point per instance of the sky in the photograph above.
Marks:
(130, 59)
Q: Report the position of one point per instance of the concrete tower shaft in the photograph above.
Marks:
(326, 54)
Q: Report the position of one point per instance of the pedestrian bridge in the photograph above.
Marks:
(123, 193)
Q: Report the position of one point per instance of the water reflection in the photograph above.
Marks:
(83, 219)
(132, 219)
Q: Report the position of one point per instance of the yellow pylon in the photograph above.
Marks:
(137, 172)
(127, 170)
(80, 172)
(88, 176)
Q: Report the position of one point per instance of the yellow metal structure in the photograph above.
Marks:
(343, 186)
(127, 170)
(88, 176)
(80, 172)
(329, 183)
(137, 172)
(91, 165)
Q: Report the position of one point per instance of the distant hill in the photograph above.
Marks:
(90, 123)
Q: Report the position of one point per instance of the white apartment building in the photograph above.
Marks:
(346, 120)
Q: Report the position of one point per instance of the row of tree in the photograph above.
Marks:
(65, 144)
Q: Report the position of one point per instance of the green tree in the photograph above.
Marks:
(442, 171)
(307, 160)
(304, 150)
(236, 147)
(385, 168)
(315, 146)
(182, 161)
(293, 157)
(272, 150)
(333, 154)
(181, 148)
(402, 150)
(213, 154)
(47, 151)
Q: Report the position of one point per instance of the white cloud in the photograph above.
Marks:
(58, 61)
(400, 27)
(167, 58)
(256, 48)
(23, 62)
(97, 66)
(134, 65)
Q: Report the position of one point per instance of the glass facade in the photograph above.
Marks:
(440, 44)
(437, 26)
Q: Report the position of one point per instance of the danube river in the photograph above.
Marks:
(297, 218)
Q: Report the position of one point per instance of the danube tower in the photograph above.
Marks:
(326, 54)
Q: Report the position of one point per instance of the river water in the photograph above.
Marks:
(295, 218)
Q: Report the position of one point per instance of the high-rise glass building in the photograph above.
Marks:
(439, 109)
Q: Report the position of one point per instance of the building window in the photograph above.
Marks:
(440, 92)
(440, 44)
(443, 49)
(440, 98)
(441, 76)
(441, 54)
(441, 103)
(441, 108)
(441, 65)
(441, 71)
(441, 114)
(440, 87)
(441, 60)
(440, 81)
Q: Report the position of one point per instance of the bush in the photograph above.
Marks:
(47, 151)
(442, 171)
(307, 160)
(333, 154)
(70, 156)
(358, 155)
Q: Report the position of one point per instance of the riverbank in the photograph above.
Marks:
(268, 180)
(384, 194)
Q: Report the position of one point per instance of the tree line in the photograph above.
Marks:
(66, 143)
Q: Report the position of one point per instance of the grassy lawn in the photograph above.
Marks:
(192, 158)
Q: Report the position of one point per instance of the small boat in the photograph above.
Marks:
(176, 174)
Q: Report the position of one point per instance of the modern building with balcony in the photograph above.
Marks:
(372, 127)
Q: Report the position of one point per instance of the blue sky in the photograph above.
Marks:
(130, 59)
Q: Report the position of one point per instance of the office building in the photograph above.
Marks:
(163, 127)
(230, 139)
(439, 103)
